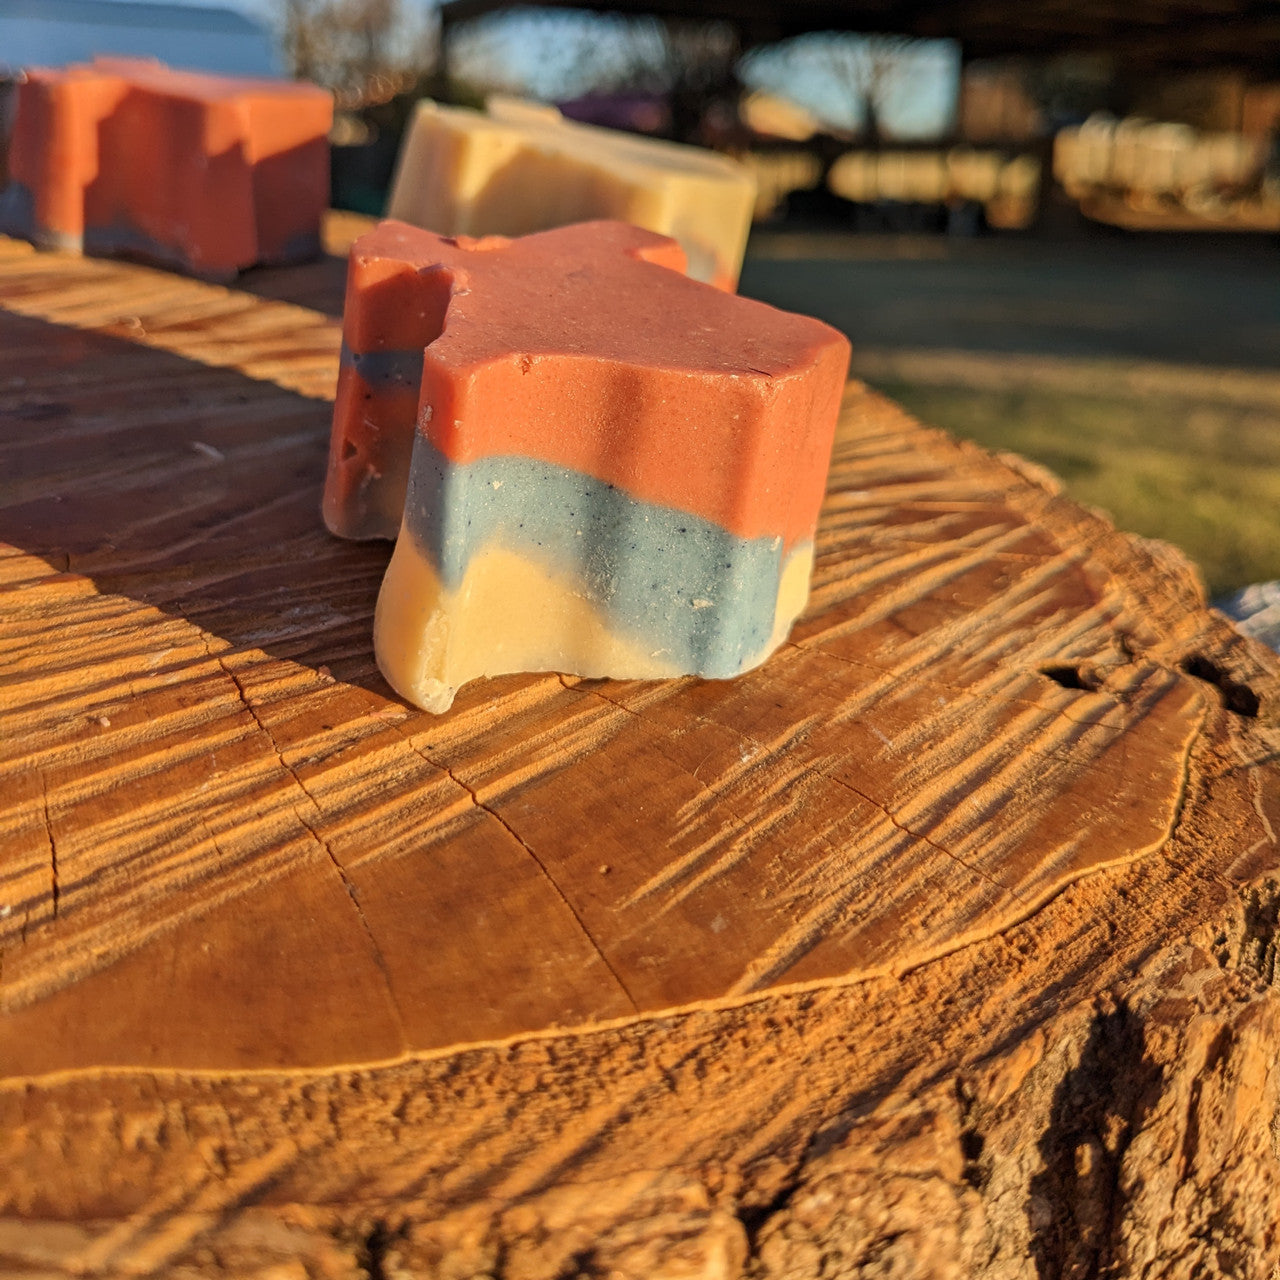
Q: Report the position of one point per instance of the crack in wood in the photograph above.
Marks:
(375, 1248)
(55, 888)
(985, 691)
(924, 839)
(973, 1142)
(689, 862)
(542, 866)
(1030, 907)
(1036, 907)
(378, 958)
(1077, 1202)
(810, 767)
(1255, 791)
(1236, 696)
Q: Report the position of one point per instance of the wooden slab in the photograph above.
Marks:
(226, 847)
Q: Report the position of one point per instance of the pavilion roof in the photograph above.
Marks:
(1145, 33)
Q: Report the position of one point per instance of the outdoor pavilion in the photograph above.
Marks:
(1144, 35)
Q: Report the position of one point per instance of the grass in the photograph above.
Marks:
(1200, 471)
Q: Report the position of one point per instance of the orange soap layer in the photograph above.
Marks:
(213, 173)
(583, 348)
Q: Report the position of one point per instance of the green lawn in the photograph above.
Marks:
(1202, 473)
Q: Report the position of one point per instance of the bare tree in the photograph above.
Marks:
(565, 55)
(693, 64)
(370, 25)
(851, 81)
(868, 70)
(560, 54)
(304, 38)
(355, 47)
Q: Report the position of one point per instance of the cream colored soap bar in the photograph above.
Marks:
(522, 168)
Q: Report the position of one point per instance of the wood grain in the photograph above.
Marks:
(256, 914)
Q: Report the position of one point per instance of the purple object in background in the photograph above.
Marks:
(634, 112)
(8, 109)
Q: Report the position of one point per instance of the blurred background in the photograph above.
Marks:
(1051, 226)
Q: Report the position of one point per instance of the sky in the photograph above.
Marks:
(550, 54)
(918, 98)
(826, 73)
(255, 8)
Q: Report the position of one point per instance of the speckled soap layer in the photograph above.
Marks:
(665, 579)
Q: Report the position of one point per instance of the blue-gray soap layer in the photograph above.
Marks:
(17, 211)
(18, 218)
(302, 246)
(386, 370)
(663, 578)
(122, 239)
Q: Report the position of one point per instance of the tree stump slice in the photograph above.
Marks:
(943, 945)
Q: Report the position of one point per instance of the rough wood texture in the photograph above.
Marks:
(941, 946)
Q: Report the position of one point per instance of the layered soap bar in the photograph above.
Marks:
(210, 174)
(596, 464)
(523, 168)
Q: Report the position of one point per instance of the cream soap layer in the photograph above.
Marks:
(509, 614)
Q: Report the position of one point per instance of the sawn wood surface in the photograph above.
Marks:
(270, 937)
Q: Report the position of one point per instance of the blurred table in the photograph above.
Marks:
(943, 942)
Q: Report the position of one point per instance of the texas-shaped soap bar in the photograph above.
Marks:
(594, 464)
(207, 173)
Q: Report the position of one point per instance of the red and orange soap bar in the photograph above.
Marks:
(210, 174)
(594, 464)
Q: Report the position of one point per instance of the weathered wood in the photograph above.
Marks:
(927, 946)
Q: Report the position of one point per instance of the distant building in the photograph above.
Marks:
(1260, 111)
(52, 33)
(772, 116)
(995, 106)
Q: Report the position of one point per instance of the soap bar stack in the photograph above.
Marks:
(597, 464)
(210, 174)
(522, 168)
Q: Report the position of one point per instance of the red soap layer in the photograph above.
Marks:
(220, 171)
(579, 346)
